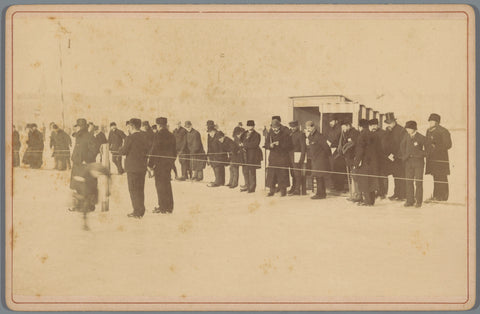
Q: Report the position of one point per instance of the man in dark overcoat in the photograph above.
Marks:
(135, 149)
(161, 160)
(252, 156)
(34, 153)
(16, 145)
(438, 143)
(180, 134)
(396, 134)
(333, 132)
(279, 159)
(384, 164)
(297, 159)
(196, 154)
(366, 164)
(318, 152)
(235, 156)
(115, 141)
(346, 149)
(217, 156)
(60, 142)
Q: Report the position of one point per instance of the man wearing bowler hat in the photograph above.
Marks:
(161, 160)
(135, 149)
(252, 156)
(438, 143)
(394, 138)
(414, 156)
(297, 159)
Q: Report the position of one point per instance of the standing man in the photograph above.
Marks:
(115, 141)
(297, 159)
(393, 139)
(346, 149)
(161, 161)
(438, 143)
(35, 147)
(235, 155)
(180, 134)
(217, 157)
(196, 154)
(61, 143)
(319, 153)
(414, 150)
(84, 153)
(100, 138)
(332, 133)
(135, 149)
(383, 161)
(252, 156)
(148, 130)
(279, 159)
(16, 147)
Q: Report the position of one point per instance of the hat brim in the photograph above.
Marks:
(390, 121)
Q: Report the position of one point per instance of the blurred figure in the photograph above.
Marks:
(196, 154)
(252, 156)
(16, 145)
(319, 153)
(180, 134)
(60, 142)
(34, 153)
(414, 150)
(100, 138)
(438, 143)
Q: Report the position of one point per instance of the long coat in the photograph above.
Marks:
(235, 152)
(299, 145)
(60, 142)
(115, 140)
(280, 154)
(135, 149)
(251, 146)
(84, 151)
(164, 144)
(33, 154)
(366, 162)
(196, 151)
(393, 141)
(438, 142)
(181, 140)
(384, 164)
(319, 153)
(217, 155)
(347, 143)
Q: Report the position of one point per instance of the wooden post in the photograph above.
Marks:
(103, 181)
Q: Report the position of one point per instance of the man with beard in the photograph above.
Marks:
(33, 154)
(279, 159)
(438, 143)
(394, 137)
(84, 153)
(135, 149)
(161, 160)
(16, 147)
(60, 142)
(252, 156)
(383, 161)
(318, 153)
(196, 154)
(366, 164)
(180, 134)
(217, 157)
(297, 158)
(115, 141)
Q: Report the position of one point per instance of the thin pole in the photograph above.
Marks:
(61, 83)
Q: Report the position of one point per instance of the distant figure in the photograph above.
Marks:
(196, 154)
(115, 141)
(161, 160)
(60, 142)
(34, 153)
(101, 139)
(238, 129)
(136, 149)
(414, 150)
(279, 159)
(180, 134)
(318, 153)
(252, 156)
(217, 157)
(438, 143)
(16, 145)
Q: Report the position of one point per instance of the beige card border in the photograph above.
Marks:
(207, 11)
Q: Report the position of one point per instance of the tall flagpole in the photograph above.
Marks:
(61, 82)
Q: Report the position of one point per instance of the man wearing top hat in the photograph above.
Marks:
(297, 159)
(161, 160)
(393, 139)
(414, 156)
(135, 149)
(438, 143)
(252, 156)
(115, 141)
(279, 159)
(196, 157)
(383, 161)
(217, 156)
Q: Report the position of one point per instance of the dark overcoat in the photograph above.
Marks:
(438, 142)
(366, 162)
(384, 164)
(235, 152)
(347, 144)
(181, 140)
(251, 146)
(115, 140)
(196, 151)
(217, 155)
(164, 145)
(60, 142)
(319, 153)
(280, 154)
(299, 145)
(84, 152)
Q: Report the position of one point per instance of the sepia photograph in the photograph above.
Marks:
(240, 157)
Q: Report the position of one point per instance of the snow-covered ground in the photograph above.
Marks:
(220, 243)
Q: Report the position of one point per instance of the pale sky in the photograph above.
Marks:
(231, 70)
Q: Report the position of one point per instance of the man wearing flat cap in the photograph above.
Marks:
(135, 149)
(396, 134)
(383, 161)
(252, 156)
(161, 160)
(297, 159)
(414, 156)
(115, 141)
(279, 159)
(438, 143)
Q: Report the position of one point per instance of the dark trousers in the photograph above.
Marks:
(440, 190)
(278, 176)
(219, 172)
(16, 159)
(184, 166)
(136, 187)
(250, 175)
(414, 170)
(321, 190)
(369, 198)
(234, 172)
(339, 179)
(299, 180)
(198, 175)
(117, 160)
(400, 184)
(382, 186)
(164, 189)
(61, 162)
